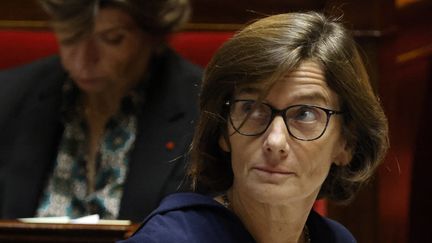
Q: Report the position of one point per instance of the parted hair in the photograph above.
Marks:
(261, 54)
(159, 17)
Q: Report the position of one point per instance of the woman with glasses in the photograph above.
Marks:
(288, 116)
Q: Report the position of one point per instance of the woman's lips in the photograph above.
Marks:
(272, 175)
(271, 170)
(88, 80)
(89, 83)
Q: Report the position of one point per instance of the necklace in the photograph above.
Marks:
(307, 234)
(226, 203)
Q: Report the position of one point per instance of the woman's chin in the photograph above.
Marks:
(271, 194)
(90, 87)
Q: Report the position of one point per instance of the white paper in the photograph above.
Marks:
(90, 219)
(47, 220)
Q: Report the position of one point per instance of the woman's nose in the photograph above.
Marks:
(276, 140)
(81, 58)
(87, 54)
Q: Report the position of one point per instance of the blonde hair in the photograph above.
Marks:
(158, 17)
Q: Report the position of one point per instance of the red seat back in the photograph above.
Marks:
(20, 47)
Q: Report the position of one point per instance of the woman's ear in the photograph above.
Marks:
(346, 147)
(344, 155)
(223, 144)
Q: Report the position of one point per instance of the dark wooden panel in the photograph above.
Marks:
(359, 216)
(421, 195)
(404, 96)
(374, 18)
(21, 10)
(228, 14)
(401, 69)
(242, 11)
(18, 232)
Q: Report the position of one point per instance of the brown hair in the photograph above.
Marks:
(158, 17)
(261, 53)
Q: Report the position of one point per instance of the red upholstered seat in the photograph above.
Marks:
(198, 47)
(20, 47)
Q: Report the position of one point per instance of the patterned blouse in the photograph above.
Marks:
(67, 192)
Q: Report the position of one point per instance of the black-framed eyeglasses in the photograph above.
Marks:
(303, 122)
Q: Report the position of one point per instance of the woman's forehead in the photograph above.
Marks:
(305, 83)
(307, 71)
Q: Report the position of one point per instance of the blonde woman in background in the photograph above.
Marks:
(103, 127)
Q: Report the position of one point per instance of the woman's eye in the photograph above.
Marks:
(247, 107)
(251, 109)
(258, 112)
(306, 114)
(112, 38)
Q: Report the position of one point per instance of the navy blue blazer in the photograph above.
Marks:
(195, 218)
(30, 130)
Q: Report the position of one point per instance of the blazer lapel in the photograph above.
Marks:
(34, 145)
(157, 163)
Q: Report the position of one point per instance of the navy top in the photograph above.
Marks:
(195, 218)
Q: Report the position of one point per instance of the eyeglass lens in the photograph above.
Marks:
(304, 122)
